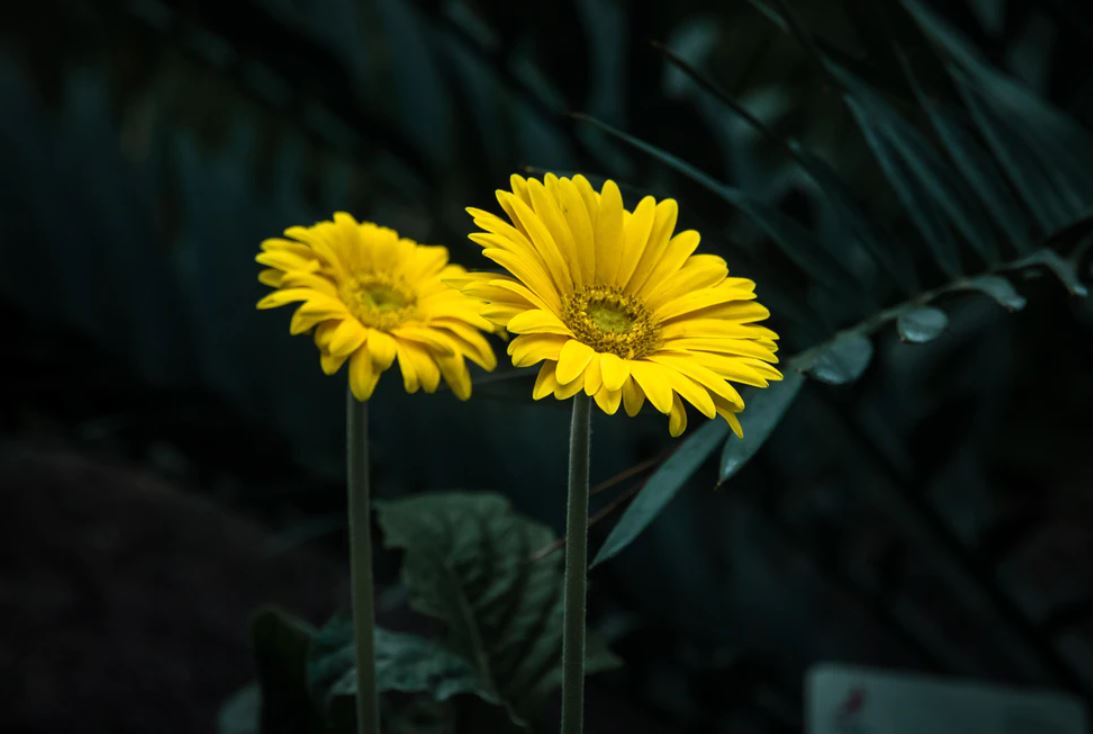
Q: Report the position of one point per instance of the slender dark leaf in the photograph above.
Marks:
(764, 411)
(661, 487)
(799, 244)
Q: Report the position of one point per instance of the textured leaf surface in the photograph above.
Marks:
(662, 486)
(404, 662)
(998, 288)
(764, 411)
(843, 360)
(923, 324)
(467, 563)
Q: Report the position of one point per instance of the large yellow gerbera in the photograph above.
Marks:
(615, 303)
(372, 296)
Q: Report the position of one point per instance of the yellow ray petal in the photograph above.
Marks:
(383, 349)
(545, 382)
(632, 397)
(347, 337)
(593, 376)
(635, 237)
(653, 381)
(537, 321)
(608, 400)
(615, 371)
(455, 374)
(362, 378)
(679, 248)
(580, 224)
(529, 349)
(677, 418)
(572, 359)
(700, 271)
(664, 224)
(608, 228)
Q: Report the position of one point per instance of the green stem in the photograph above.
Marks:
(576, 569)
(360, 563)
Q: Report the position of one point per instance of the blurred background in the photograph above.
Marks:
(171, 458)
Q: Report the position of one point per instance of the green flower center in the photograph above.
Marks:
(608, 320)
(379, 301)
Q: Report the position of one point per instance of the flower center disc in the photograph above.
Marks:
(379, 301)
(609, 320)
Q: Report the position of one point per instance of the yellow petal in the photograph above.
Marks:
(572, 359)
(615, 371)
(569, 389)
(653, 381)
(635, 237)
(700, 271)
(679, 248)
(632, 397)
(530, 273)
(407, 365)
(593, 377)
(608, 228)
(362, 378)
(545, 382)
(677, 418)
(455, 373)
(545, 204)
(664, 224)
(331, 363)
(580, 224)
(693, 301)
(436, 340)
(537, 321)
(347, 337)
(529, 349)
(608, 400)
(383, 349)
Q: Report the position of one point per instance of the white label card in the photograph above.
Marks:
(851, 700)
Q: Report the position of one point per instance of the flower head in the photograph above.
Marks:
(371, 297)
(615, 302)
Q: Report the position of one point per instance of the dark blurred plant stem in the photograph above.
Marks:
(576, 569)
(360, 563)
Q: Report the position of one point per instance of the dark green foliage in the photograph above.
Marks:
(468, 561)
(937, 198)
(471, 563)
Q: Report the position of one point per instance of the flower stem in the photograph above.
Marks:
(576, 569)
(360, 563)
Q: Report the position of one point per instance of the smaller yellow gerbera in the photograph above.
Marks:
(371, 297)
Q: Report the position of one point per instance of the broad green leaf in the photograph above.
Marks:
(404, 662)
(662, 486)
(843, 360)
(240, 713)
(921, 324)
(467, 563)
(998, 288)
(763, 412)
(799, 244)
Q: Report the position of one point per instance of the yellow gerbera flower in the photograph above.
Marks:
(372, 296)
(615, 303)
